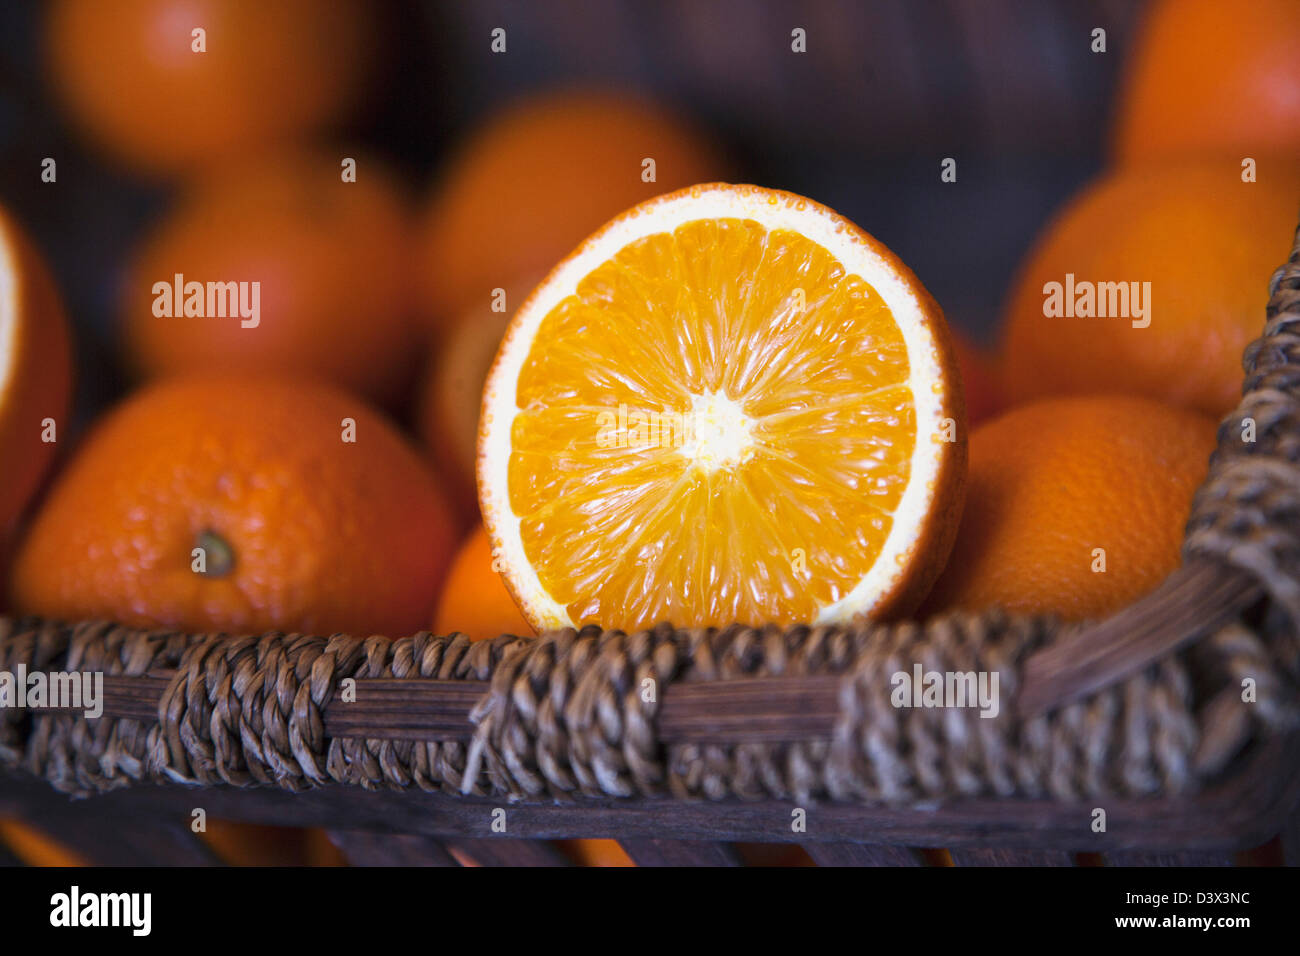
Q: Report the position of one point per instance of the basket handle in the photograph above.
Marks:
(1243, 536)
(1194, 601)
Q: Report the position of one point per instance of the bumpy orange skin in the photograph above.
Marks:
(538, 178)
(1207, 243)
(326, 535)
(475, 600)
(1053, 480)
(273, 71)
(41, 386)
(1208, 77)
(333, 260)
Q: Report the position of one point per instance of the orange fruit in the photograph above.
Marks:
(595, 852)
(34, 847)
(296, 529)
(730, 404)
(1204, 241)
(331, 262)
(526, 187)
(474, 600)
(254, 844)
(1053, 481)
(610, 853)
(979, 381)
(320, 849)
(452, 391)
(273, 71)
(35, 369)
(1208, 77)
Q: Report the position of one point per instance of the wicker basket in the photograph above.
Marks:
(677, 742)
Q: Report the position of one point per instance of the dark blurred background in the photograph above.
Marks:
(861, 122)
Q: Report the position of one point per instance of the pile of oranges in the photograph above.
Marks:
(303, 457)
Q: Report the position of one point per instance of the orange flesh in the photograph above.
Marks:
(773, 527)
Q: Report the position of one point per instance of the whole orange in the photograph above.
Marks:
(1210, 77)
(540, 176)
(331, 263)
(1192, 244)
(1074, 506)
(452, 390)
(240, 505)
(271, 72)
(475, 600)
(35, 370)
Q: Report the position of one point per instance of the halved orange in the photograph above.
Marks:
(729, 405)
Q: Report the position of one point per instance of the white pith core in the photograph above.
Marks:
(719, 434)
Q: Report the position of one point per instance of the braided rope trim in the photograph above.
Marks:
(574, 713)
(1135, 739)
(241, 711)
